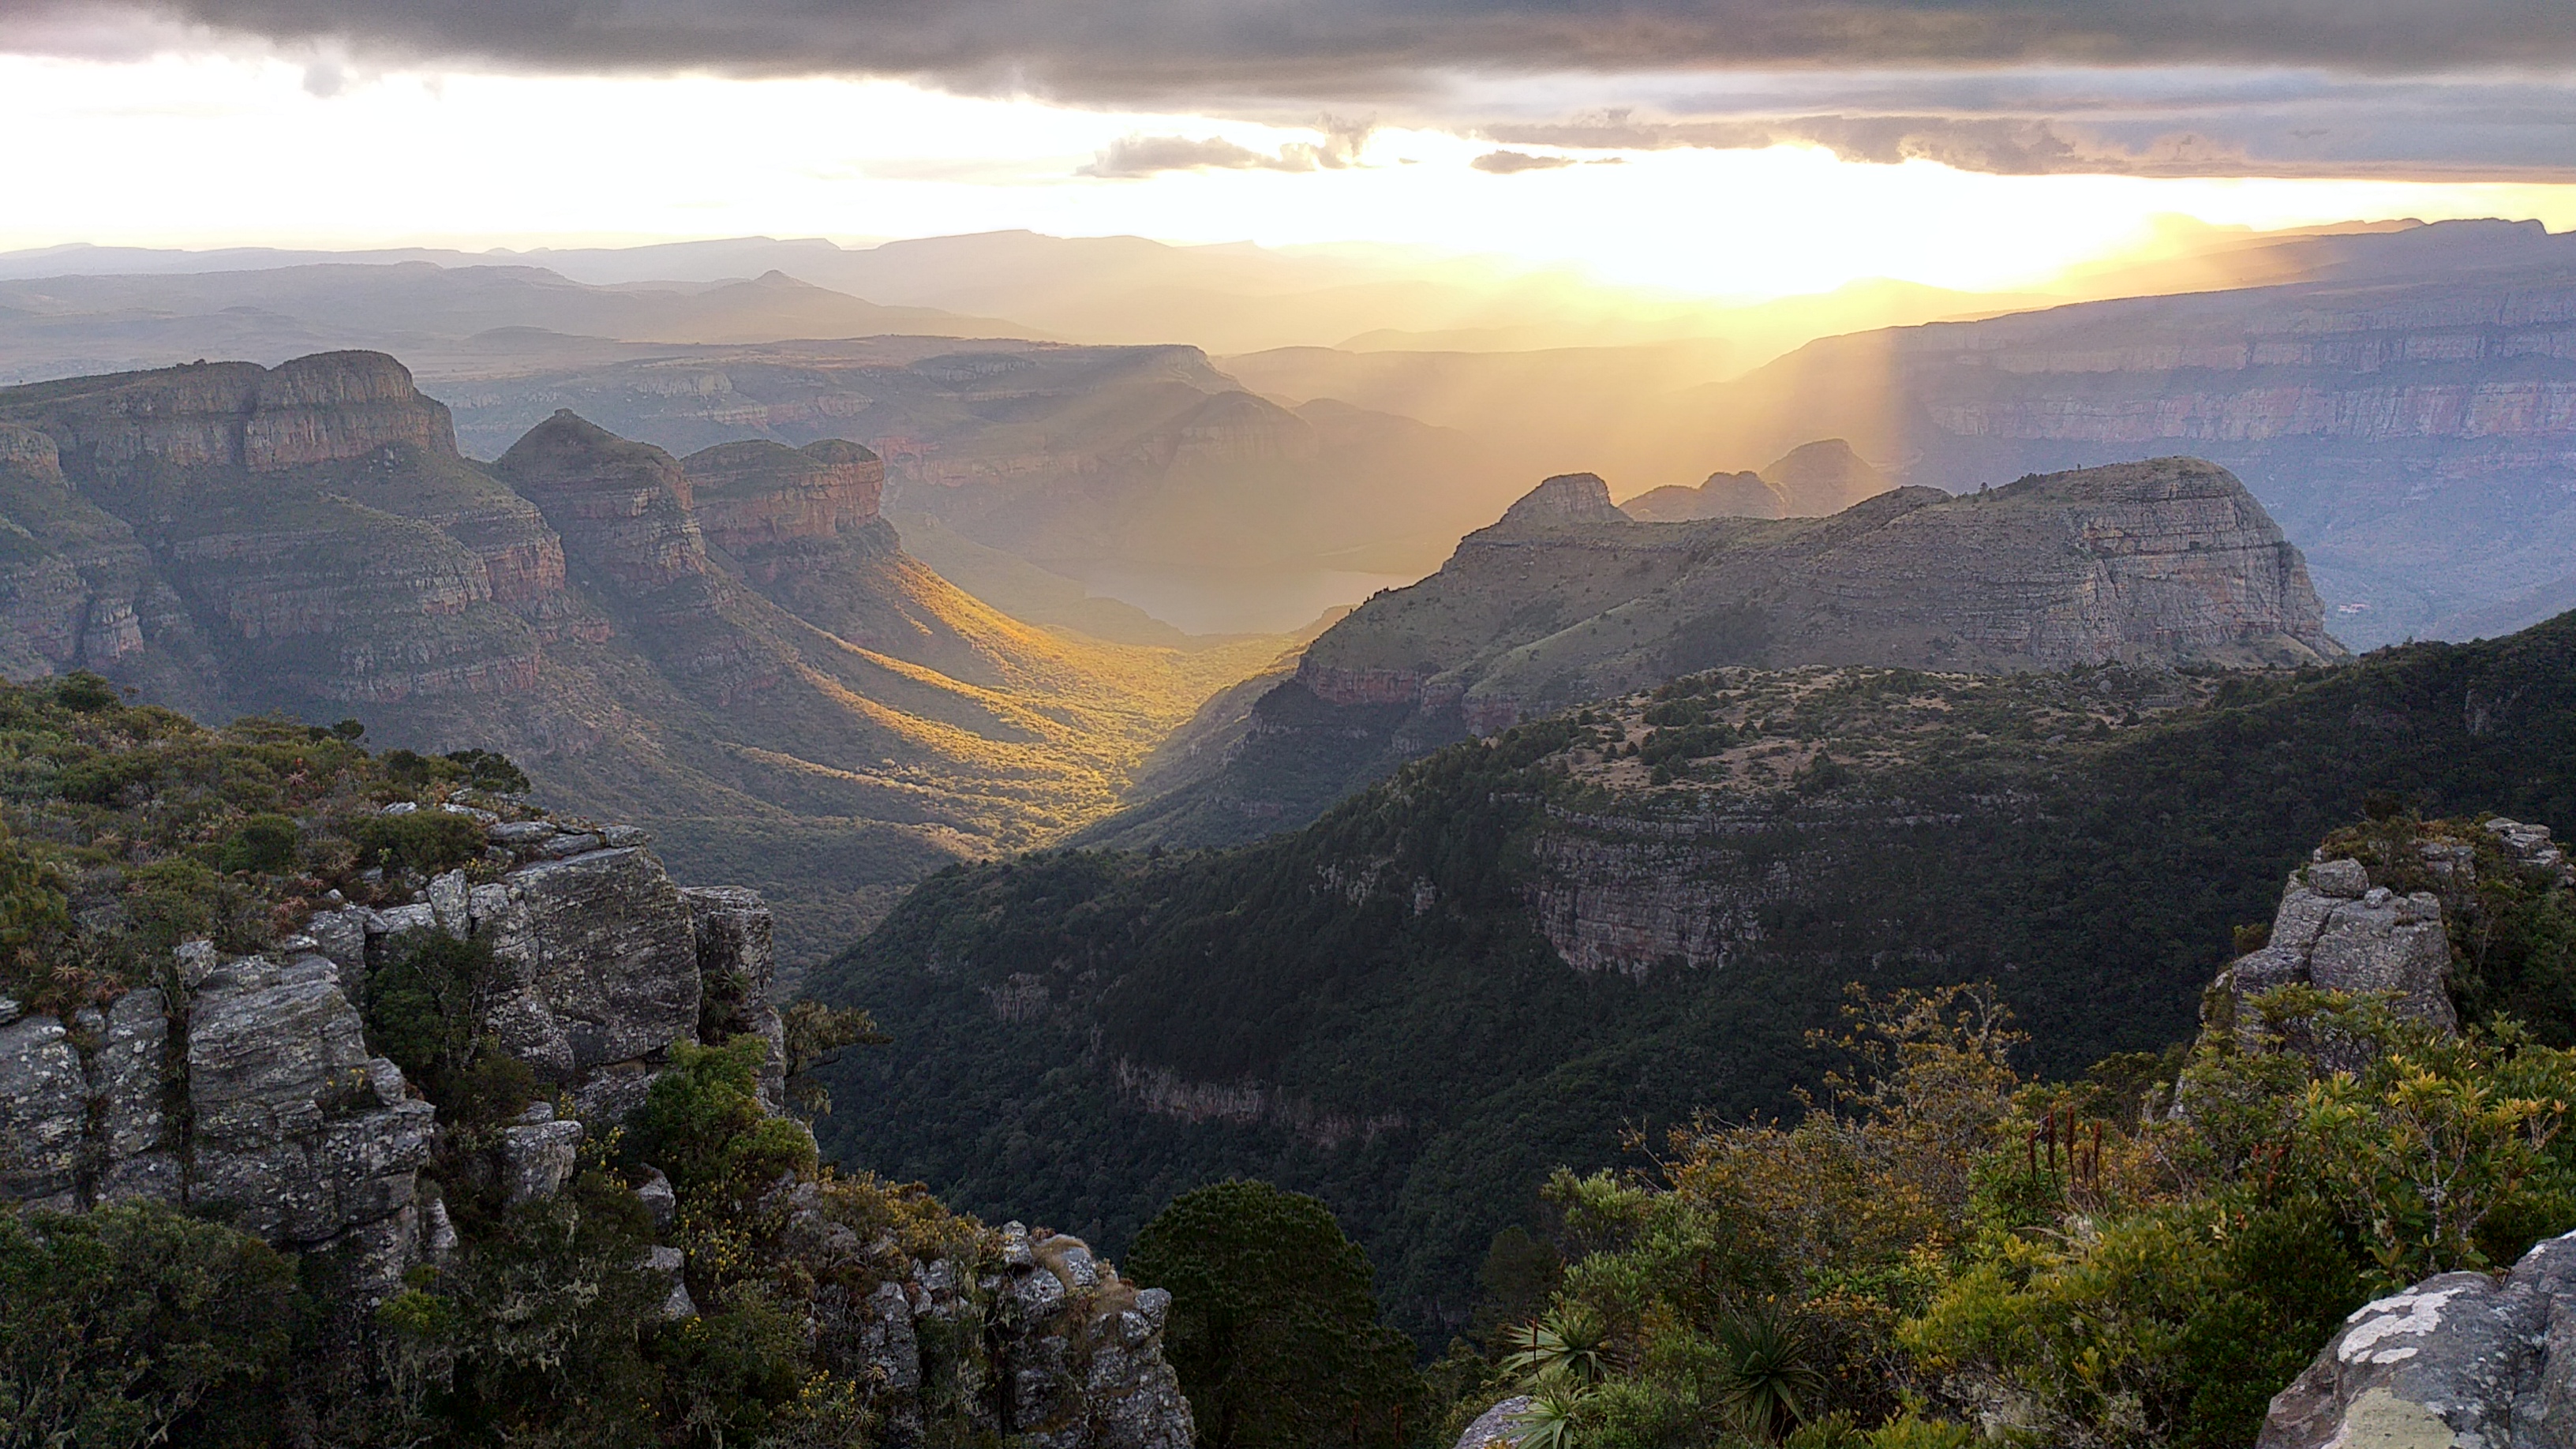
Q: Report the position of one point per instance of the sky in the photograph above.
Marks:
(1736, 148)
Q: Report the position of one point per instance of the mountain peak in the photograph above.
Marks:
(1565, 498)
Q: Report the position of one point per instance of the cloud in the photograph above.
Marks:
(2427, 132)
(2430, 89)
(1506, 163)
(1137, 155)
(1161, 49)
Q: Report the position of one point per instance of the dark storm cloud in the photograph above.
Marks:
(1187, 49)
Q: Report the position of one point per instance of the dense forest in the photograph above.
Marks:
(1368, 1009)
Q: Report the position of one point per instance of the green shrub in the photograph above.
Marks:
(1274, 1331)
(264, 843)
(428, 841)
(116, 1324)
(490, 770)
(421, 1008)
(82, 692)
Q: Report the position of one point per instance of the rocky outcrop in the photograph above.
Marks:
(622, 508)
(327, 408)
(253, 1095)
(1814, 480)
(2460, 1358)
(1565, 498)
(2337, 930)
(74, 583)
(313, 520)
(1024, 1337)
(1720, 495)
(292, 1129)
(1496, 1426)
(2166, 561)
(1569, 601)
(758, 500)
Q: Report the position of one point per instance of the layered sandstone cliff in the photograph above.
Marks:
(2169, 560)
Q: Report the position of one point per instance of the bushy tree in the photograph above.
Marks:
(115, 1324)
(1274, 1330)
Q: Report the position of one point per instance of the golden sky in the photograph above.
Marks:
(221, 147)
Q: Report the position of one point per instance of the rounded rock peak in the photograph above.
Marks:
(836, 452)
(1566, 498)
(569, 450)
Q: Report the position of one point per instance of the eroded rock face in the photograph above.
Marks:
(2458, 1359)
(1565, 498)
(2335, 931)
(330, 407)
(1567, 599)
(758, 500)
(292, 1131)
(622, 508)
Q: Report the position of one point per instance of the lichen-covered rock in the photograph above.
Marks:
(599, 961)
(1496, 1425)
(538, 1154)
(44, 1113)
(129, 1074)
(296, 1129)
(2336, 932)
(2458, 1359)
(738, 965)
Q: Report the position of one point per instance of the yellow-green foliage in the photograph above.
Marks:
(1943, 1239)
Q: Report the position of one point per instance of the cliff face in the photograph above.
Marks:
(621, 508)
(1566, 600)
(2412, 436)
(328, 408)
(736, 638)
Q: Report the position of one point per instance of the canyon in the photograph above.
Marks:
(733, 648)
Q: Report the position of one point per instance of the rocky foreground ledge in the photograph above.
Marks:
(245, 1083)
(244, 1087)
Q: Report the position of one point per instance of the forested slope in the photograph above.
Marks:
(1380, 1008)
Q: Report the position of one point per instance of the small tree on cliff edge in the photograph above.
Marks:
(1274, 1330)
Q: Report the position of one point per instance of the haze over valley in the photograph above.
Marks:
(1113, 726)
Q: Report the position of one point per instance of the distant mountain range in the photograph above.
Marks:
(2411, 422)
(2395, 395)
(732, 648)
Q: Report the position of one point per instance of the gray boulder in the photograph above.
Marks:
(301, 1133)
(2458, 1359)
(538, 1154)
(737, 962)
(1496, 1425)
(2337, 932)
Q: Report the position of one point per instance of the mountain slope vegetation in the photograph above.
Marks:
(1487, 965)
